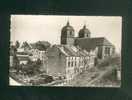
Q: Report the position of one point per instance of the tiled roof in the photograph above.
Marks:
(84, 53)
(63, 51)
(74, 51)
(70, 50)
(92, 43)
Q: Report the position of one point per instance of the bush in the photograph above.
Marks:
(110, 61)
(32, 68)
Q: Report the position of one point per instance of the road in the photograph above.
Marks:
(89, 77)
(102, 73)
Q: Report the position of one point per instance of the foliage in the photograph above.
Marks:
(112, 60)
(38, 62)
(13, 50)
(32, 67)
(42, 45)
(16, 63)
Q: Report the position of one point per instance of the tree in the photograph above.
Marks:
(32, 67)
(29, 62)
(17, 44)
(38, 62)
(42, 45)
(16, 63)
(13, 50)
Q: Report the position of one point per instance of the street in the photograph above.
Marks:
(89, 77)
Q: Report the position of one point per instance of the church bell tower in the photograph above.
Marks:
(67, 35)
(84, 32)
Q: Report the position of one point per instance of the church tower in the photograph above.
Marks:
(84, 33)
(67, 35)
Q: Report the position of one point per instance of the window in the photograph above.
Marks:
(68, 63)
(72, 63)
(107, 50)
(75, 63)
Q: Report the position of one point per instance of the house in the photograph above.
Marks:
(23, 59)
(37, 54)
(32, 51)
(66, 61)
(22, 56)
(20, 49)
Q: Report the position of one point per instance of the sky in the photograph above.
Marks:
(32, 28)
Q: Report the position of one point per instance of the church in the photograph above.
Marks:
(85, 41)
(76, 54)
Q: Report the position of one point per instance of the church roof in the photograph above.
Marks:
(70, 50)
(67, 27)
(75, 51)
(84, 30)
(92, 43)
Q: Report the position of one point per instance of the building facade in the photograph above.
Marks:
(67, 61)
(37, 54)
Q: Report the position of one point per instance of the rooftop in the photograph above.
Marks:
(92, 43)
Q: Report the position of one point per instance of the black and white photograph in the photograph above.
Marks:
(68, 51)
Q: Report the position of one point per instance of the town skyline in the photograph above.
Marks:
(32, 28)
(85, 54)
